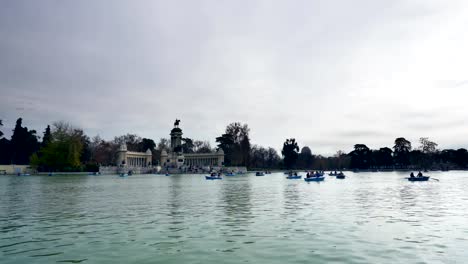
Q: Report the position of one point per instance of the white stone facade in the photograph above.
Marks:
(175, 158)
(133, 159)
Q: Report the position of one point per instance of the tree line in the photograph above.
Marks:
(403, 156)
(64, 147)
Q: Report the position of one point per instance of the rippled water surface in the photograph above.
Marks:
(366, 218)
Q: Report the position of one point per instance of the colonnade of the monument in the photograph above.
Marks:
(202, 161)
(137, 162)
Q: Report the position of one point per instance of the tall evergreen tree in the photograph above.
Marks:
(47, 138)
(23, 143)
(4, 148)
(226, 143)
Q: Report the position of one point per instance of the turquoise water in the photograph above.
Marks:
(366, 218)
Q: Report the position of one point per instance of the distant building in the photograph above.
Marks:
(172, 160)
(130, 162)
(175, 158)
(133, 159)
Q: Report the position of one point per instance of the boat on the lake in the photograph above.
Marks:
(123, 174)
(213, 177)
(293, 177)
(418, 178)
(230, 174)
(259, 173)
(314, 179)
(340, 176)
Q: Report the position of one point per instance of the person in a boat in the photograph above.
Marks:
(308, 175)
(295, 173)
(420, 174)
(411, 175)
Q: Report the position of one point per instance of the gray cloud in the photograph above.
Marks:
(329, 73)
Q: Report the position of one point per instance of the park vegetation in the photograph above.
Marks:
(63, 147)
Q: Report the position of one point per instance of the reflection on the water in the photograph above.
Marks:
(291, 198)
(236, 201)
(367, 218)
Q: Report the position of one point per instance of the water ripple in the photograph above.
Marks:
(367, 218)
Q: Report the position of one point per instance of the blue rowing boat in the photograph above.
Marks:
(294, 177)
(213, 178)
(230, 174)
(340, 176)
(314, 179)
(420, 178)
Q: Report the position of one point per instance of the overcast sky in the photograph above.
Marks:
(328, 73)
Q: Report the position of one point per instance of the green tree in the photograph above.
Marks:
(47, 138)
(427, 146)
(240, 150)
(428, 150)
(202, 146)
(131, 140)
(23, 143)
(146, 144)
(163, 144)
(290, 153)
(187, 145)
(5, 153)
(273, 159)
(63, 153)
(226, 143)
(461, 158)
(401, 152)
(360, 157)
(384, 157)
(103, 152)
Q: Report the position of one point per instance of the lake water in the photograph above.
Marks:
(366, 218)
